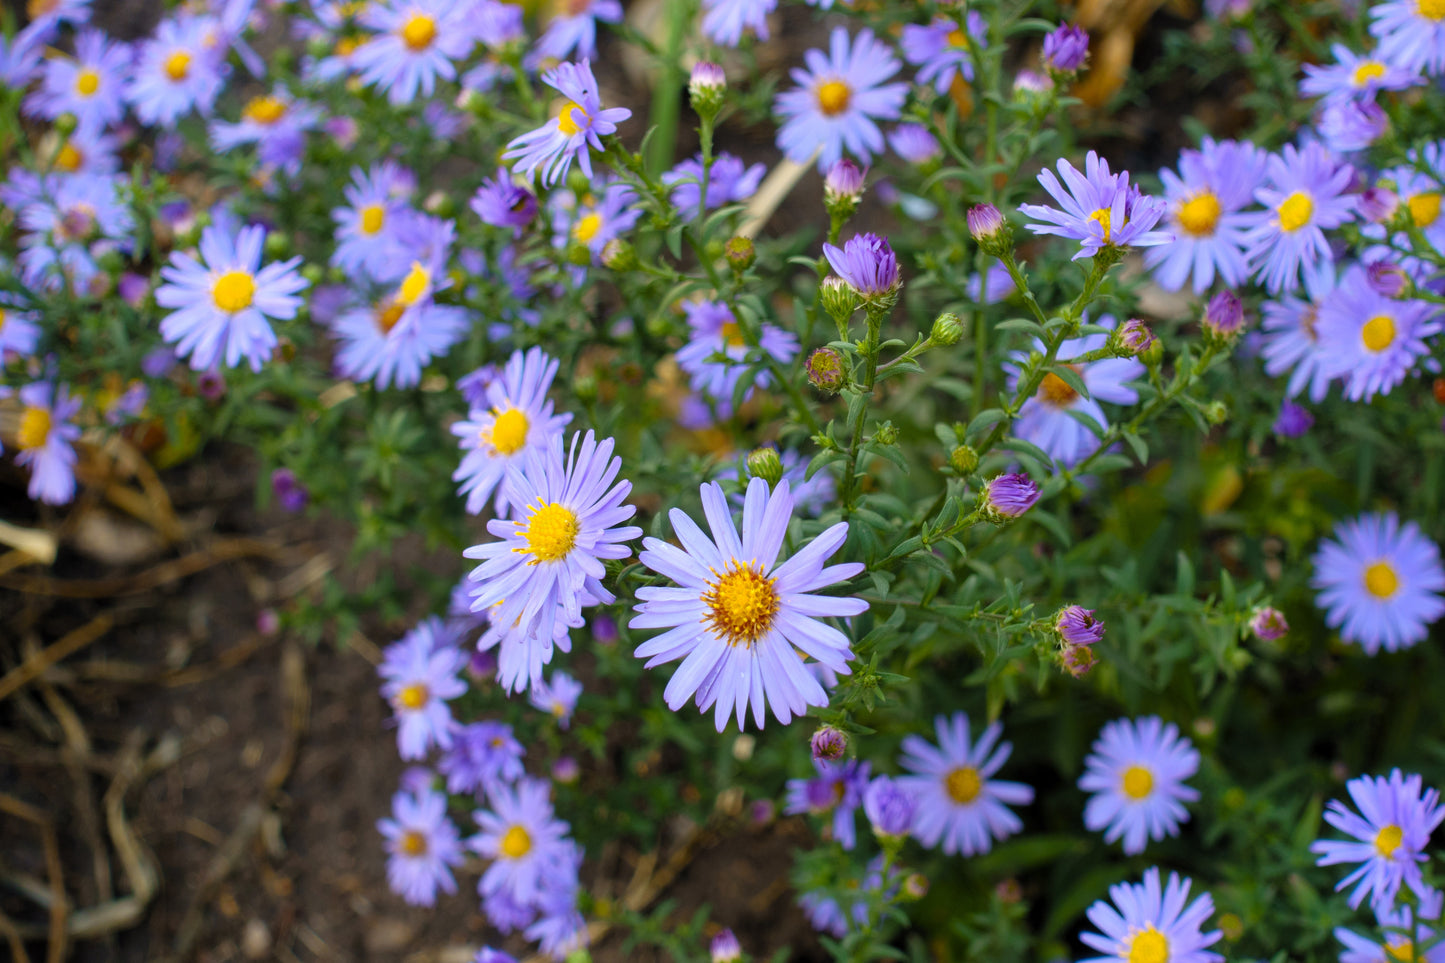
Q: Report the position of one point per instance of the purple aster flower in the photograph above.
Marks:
(1006, 497)
(888, 806)
(76, 219)
(574, 28)
(736, 616)
(1136, 774)
(1152, 922)
(391, 340)
(560, 930)
(729, 181)
(1387, 278)
(1378, 204)
(723, 21)
(578, 128)
(414, 43)
(526, 843)
(1411, 34)
(596, 217)
(1293, 420)
(289, 491)
(1100, 209)
(1046, 420)
(914, 143)
(46, 439)
(838, 789)
(1305, 195)
(940, 50)
(557, 696)
(839, 100)
(276, 123)
(19, 333)
(175, 74)
(91, 86)
(222, 302)
(1420, 192)
(1379, 582)
(1391, 831)
(716, 358)
(482, 755)
(420, 670)
(1066, 48)
(1405, 936)
(1291, 336)
(1076, 625)
(501, 202)
(512, 417)
(88, 152)
(1353, 77)
(423, 845)
(1370, 341)
(1351, 125)
(868, 264)
(47, 16)
(725, 947)
(1205, 203)
(958, 802)
(507, 913)
(367, 242)
(20, 59)
(1268, 623)
(568, 521)
(828, 744)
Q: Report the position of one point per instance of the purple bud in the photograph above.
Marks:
(1378, 204)
(604, 630)
(1009, 496)
(984, 222)
(482, 666)
(868, 264)
(1224, 316)
(158, 362)
(416, 779)
(828, 744)
(1076, 625)
(725, 947)
(211, 385)
(1293, 420)
(889, 807)
(707, 75)
(289, 490)
(1078, 660)
(1132, 337)
(844, 183)
(1268, 623)
(1031, 83)
(1066, 48)
(825, 370)
(762, 812)
(1387, 278)
(133, 288)
(268, 622)
(343, 130)
(501, 202)
(1351, 125)
(565, 770)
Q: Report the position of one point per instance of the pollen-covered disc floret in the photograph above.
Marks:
(1152, 922)
(737, 618)
(959, 803)
(1136, 774)
(1391, 831)
(1380, 582)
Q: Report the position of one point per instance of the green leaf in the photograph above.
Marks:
(984, 419)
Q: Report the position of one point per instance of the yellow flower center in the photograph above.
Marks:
(1138, 782)
(1378, 333)
(516, 843)
(1398, 949)
(1432, 9)
(413, 696)
(1382, 582)
(587, 227)
(550, 533)
(34, 428)
(413, 843)
(833, 97)
(70, 158)
(38, 8)
(957, 39)
(414, 286)
(388, 313)
(264, 110)
(1200, 215)
(1103, 217)
(963, 784)
(1367, 71)
(567, 121)
(1056, 392)
(346, 46)
(1148, 946)
(418, 32)
(373, 218)
(509, 431)
(2, 319)
(233, 291)
(178, 65)
(559, 709)
(742, 604)
(732, 334)
(1424, 209)
(1295, 212)
(87, 82)
(1389, 840)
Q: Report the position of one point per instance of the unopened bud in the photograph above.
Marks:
(619, 255)
(725, 948)
(828, 744)
(1066, 49)
(1216, 412)
(1268, 624)
(740, 253)
(1378, 204)
(1388, 278)
(990, 230)
(764, 463)
(826, 370)
(963, 459)
(839, 299)
(278, 244)
(886, 434)
(915, 886)
(1223, 318)
(1130, 339)
(707, 89)
(843, 188)
(947, 330)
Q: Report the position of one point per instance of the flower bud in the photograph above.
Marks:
(1153, 354)
(1066, 49)
(1378, 204)
(565, 770)
(707, 89)
(1389, 279)
(1293, 421)
(990, 230)
(292, 495)
(278, 244)
(1268, 624)
(725, 947)
(826, 371)
(619, 255)
(889, 808)
(1130, 339)
(740, 253)
(65, 124)
(1216, 412)
(1006, 497)
(915, 886)
(947, 330)
(1223, 318)
(439, 203)
(843, 188)
(1076, 625)
(1077, 660)
(839, 299)
(828, 744)
(963, 459)
(268, 622)
(886, 434)
(764, 463)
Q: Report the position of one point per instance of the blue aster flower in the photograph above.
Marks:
(88, 152)
(574, 29)
(1136, 772)
(223, 301)
(599, 215)
(577, 129)
(482, 755)
(19, 333)
(940, 49)
(76, 218)
(1370, 341)
(1379, 582)
(1396, 816)
(1305, 194)
(420, 672)
(1097, 208)
(46, 438)
(501, 202)
(423, 847)
(276, 123)
(839, 100)
(716, 356)
(1421, 192)
(729, 181)
(959, 803)
(367, 240)
(413, 44)
(837, 789)
(1291, 335)
(389, 341)
(91, 86)
(48, 16)
(1411, 34)
(1406, 937)
(723, 21)
(526, 844)
(1354, 77)
(175, 74)
(1205, 203)
(557, 696)
(1150, 923)
(737, 617)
